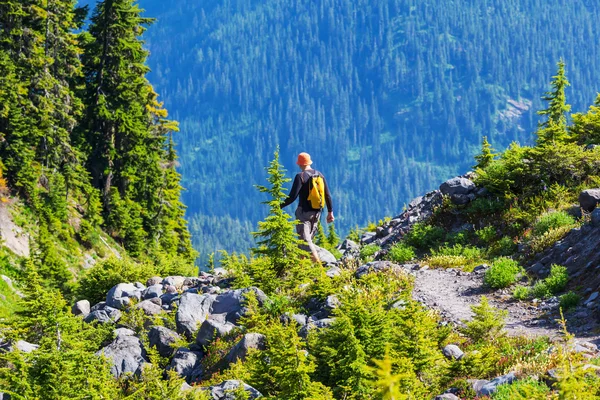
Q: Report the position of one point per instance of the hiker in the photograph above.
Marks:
(311, 187)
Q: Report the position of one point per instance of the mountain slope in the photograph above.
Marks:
(389, 96)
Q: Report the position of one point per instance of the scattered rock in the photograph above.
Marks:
(186, 363)
(348, 247)
(126, 355)
(155, 280)
(447, 396)
(232, 303)
(241, 349)
(123, 332)
(192, 311)
(118, 296)
(176, 281)
(224, 391)
(588, 199)
(325, 255)
(318, 324)
(213, 327)
(163, 339)
(592, 297)
(82, 307)
(490, 387)
(452, 351)
(9, 282)
(333, 272)
(596, 217)
(106, 315)
(457, 186)
(150, 307)
(152, 291)
(376, 266)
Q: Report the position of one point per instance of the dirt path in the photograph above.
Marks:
(453, 292)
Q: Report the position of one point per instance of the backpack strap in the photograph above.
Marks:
(317, 173)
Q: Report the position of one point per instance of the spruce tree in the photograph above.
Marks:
(332, 237)
(126, 135)
(554, 129)
(485, 158)
(276, 236)
(320, 238)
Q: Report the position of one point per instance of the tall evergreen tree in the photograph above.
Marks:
(332, 237)
(276, 236)
(125, 133)
(486, 156)
(554, 129)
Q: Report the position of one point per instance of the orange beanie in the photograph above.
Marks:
(304, 159)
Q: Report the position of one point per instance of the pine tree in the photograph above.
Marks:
(332, 238)
(554, 129)
(320, 238)
(486, 156)
(127, 136)
(276, 236)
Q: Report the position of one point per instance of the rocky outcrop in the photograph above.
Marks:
(452, 352)
(82, 308)
(119, 295)
(232, 303)
(215, 326)
(376, 266)
(225, 390)
(186, 363)
(589, 199)
(126, 354)
(163, 339)
(192, 311)
(487, 388)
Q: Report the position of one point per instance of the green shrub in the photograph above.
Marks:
(526, 389)
(502, 273)
(368, 251)
(569, 300)
(97, 281)
(553, 220)
(557, 281)
(424, 237)
(443, 261)
(521, 292)
(487, 234)
(401, 253)
(541, 243)
(456, 256)
(487, 323)
(504, 247)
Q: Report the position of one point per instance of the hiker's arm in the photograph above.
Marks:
(294, 192)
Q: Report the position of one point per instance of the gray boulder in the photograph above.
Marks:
(82, 307)
(119, 295)
(453, 352)
(376, 266)
(152, 291)
(150, 307)
(186, 363)
(192, 311)
(250, 341)
(487, 388)
(447, 396)
(588, 199)
(155, 280)
(333, 272)
(25, 347)
(123, 332)
(232, 303)
(318, 324)
(349, 247)
(176, 281)
(163, 338)
(458, 185)
(126, 354)
(107, 315)
(225, 390)
(325, 255)
(215, 326)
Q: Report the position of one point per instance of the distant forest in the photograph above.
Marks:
(389, 96)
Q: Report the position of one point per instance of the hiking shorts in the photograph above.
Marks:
(308, 222)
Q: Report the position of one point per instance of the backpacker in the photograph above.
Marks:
(316, 191)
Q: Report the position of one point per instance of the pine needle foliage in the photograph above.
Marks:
(554, 129)
(277, 239)
(485, 158)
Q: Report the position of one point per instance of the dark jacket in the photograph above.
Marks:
(300, 189)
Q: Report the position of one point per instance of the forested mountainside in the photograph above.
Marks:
(389, 96)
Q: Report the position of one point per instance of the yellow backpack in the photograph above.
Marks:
(316, 191)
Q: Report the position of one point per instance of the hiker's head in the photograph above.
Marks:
(304, 161)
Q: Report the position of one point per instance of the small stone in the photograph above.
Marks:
(452, 351)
